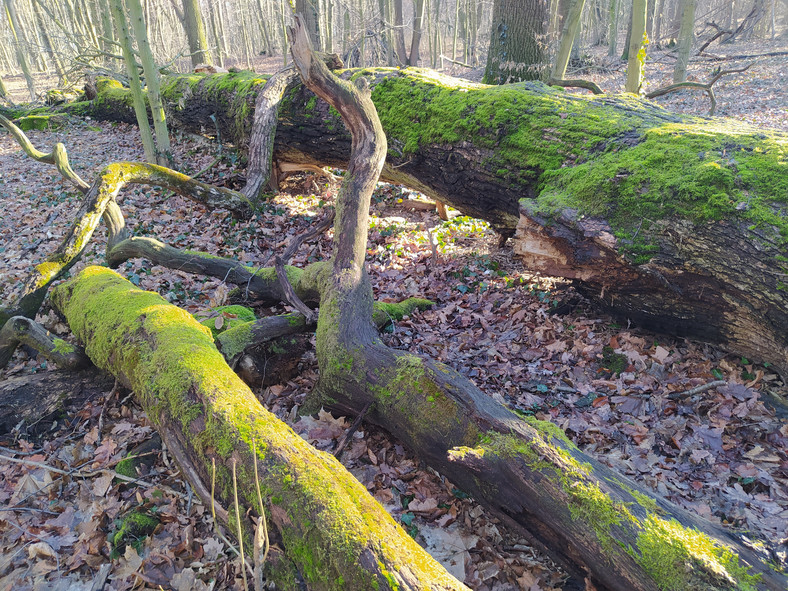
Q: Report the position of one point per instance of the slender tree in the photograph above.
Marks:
(195, 32)
(613, 31)
(636, 49)
(568, 36)
(686, 36)
(16, 33)
(399, 33)
(418, 20)
(140, 110)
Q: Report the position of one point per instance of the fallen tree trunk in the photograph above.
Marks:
(32, 402)
(669, 194)
(335, 534)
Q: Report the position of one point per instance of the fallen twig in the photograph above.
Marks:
(697, 389)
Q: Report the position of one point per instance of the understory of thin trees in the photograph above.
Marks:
(600, 526)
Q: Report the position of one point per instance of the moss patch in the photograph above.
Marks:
(39, 122)
(132, 529)
(667, 551)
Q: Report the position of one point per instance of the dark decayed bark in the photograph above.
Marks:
(32, 402)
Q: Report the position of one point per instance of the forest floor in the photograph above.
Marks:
(528, 341)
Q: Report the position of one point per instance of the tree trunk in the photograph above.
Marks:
(613, 10)
(568, 36)
(517, 42)
(598, 525)
(162, 139)
(399, 33)
(653, 177)
(418, 25)
(309, 9)
(636, 56)
(21, 48)
(686, 37)
(195, 33)
(37, 400)
(331, 530)
(140, 110)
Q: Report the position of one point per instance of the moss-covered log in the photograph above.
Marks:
(332, 530)
(660, 217)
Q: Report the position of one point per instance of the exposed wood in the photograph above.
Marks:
(19, 330)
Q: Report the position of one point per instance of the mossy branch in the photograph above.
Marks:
(24, 331)
(337, 535)
(58, 156)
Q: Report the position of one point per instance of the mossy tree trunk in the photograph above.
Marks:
(655, 182)
(333, 533)
(635, 45)
(195, 32)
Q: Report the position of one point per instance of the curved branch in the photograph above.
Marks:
(23, 331)
(58, 156)
(100, 202)
(576, 83)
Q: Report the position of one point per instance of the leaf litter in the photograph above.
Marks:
(634, 400)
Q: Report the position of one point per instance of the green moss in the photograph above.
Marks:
(178, 375)
(667, 551)
(588, 502)
(132, 528)
(385, 312)
(614, 362)
(39, 122)
(62, 347)
(127, 467)
(232, 316)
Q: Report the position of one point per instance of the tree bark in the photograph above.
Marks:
(35, 400)
(636, 60)
(653, 176)
(568, 34)
(517, 42)
(686, 37)
(195, 33)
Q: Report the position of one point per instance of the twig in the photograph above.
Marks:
(459, 63)
(92, 474)
(238, 529)
(316, 231)
(707, 88)
(213, 508)
(343, 444)
(290, 295)
(261, 540)
(698, 389)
